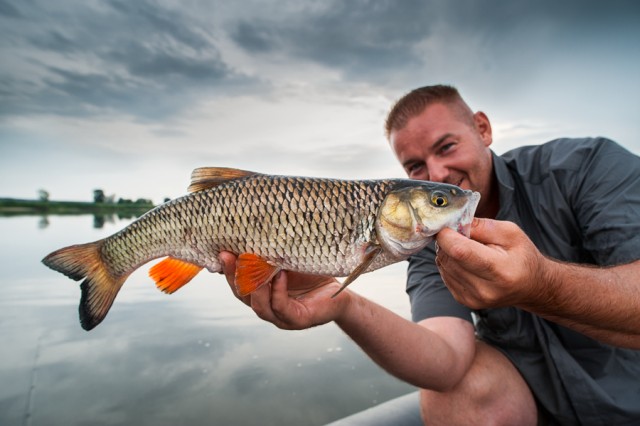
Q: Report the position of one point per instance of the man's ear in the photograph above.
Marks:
(483, 125)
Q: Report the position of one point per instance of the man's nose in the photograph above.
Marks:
(437, 171)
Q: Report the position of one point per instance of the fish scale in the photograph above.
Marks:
(311, 225)
(205, 223)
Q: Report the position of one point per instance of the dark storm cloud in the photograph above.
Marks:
(359, 37)
(374, 40)
(55, 41)
(138, 58)
(161, 64)
(9, 10)
(153, 59)
(169, 22)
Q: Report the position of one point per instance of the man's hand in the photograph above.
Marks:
(294, 301)
(291, 301)
(498, 266)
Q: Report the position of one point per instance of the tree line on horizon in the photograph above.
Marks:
(99, 197)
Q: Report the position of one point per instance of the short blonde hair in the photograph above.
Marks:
(414, 102)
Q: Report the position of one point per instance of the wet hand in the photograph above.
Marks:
(292, 300)
(498, 266)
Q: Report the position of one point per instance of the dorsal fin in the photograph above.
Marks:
(210, 177)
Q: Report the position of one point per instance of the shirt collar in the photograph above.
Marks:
(506, 186)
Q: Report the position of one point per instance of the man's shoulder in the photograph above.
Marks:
(562, 153)
(561, 146)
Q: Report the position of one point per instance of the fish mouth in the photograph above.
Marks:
(466, 218)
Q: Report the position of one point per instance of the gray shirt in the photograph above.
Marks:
(579, 201)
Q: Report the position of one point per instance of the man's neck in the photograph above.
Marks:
(492, 206)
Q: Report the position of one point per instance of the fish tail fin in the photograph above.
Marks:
(99, 287)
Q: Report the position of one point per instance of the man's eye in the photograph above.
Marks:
(446, 147)
(414, 168)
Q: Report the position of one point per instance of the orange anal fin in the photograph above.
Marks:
(252, 271)
(171, 274)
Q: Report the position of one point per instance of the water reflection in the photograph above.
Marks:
(43, 222)
(195, 357)
(99, 219)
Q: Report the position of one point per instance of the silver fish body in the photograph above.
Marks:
(306, 225)
(311, 225)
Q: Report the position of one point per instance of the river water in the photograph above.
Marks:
(197, 357)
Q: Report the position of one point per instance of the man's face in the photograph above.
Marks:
(441, 145)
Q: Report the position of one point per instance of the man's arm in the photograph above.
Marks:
(500, 266)
(434, 354)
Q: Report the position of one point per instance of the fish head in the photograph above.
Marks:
(414, 211)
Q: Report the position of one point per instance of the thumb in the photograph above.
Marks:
(497, 232)
(457, 245)
(481, 229)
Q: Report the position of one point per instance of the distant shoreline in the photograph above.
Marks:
(17, 206)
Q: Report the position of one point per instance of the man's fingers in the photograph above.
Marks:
(458, 247)
(489, 238)
(483, 231)
(461, 258)
(493, 232)
(271, 302)
(279, 293)
(261, 303)
(290, 300)
(493, 268)
(228, 262)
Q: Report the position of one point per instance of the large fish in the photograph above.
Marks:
(312, 225)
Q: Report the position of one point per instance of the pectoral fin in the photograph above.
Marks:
(371, 253)
(171, 274)
(252, 272)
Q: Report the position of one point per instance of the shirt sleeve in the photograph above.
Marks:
(428, 295)
(606, 202)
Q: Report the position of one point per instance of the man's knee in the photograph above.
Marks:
(492, 392)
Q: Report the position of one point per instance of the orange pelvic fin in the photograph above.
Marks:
(252, 272)
(171, 274)
(99, 288)
(210, 177)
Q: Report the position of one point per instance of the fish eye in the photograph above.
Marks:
(438, 199)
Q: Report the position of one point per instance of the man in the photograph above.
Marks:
(550, 337)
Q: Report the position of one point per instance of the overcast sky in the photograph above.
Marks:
(130, 96)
